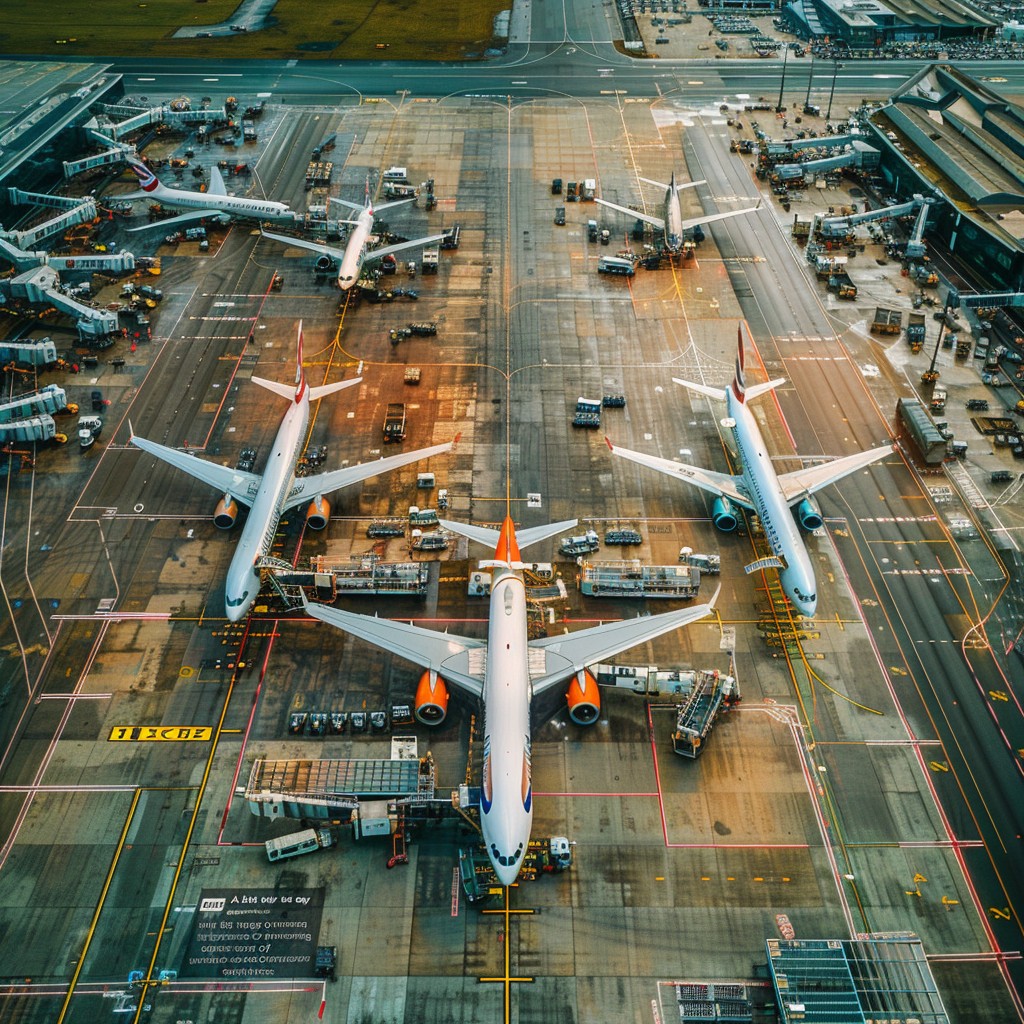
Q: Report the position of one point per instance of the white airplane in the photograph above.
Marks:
(758, 489)
(215, 202)
(507, 674)
(671, 222)
(278, 489)
(350, 260)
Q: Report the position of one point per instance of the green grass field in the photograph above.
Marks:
(329, 30)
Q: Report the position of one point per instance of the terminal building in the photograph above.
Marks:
(949, 136)
(46, 106)
(873, 24)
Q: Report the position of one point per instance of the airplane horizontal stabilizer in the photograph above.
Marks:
(685, 184)
(308, 487)
(352, 206)
(323, 390)
(648, 218)
(241, 486)
(803, 482)
(569, 652)
(445, 653)
(284, 390)
(770, 562)
(756, 390)
(701, 389)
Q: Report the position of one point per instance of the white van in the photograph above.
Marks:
(298, 843)
(615, 265)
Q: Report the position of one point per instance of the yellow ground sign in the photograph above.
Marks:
(159, 733)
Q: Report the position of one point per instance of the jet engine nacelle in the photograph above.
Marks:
(325, 264)
(319, 513)
(225, 514)
(809, 515)
(431, 706)
(723, 515)
(584, 699)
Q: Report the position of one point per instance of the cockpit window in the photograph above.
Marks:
(506, 860)
(238, 600)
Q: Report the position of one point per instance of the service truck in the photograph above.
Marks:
(583, 544)
(615, 265)
(298, 843)
(89, 428)
(394, 423)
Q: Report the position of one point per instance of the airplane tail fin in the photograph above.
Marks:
(148, 181)
(506, 542)
(367, 201)
(295, 391)
(740, 388)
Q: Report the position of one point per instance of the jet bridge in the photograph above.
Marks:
(840, 227)
(321, 789)
(76, 211)
(41, 285)
(787, 172)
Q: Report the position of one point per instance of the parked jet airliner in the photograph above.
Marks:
(215, 202)
(278, 489)
(350, 260)
(758, 489)
(507, 673)
(671, 222)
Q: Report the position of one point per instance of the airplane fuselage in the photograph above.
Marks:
(506, 804)
(766, 494)
(355, 251)
(235, 206)
(243, 578)
(673, 216)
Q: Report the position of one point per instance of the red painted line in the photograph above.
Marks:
(323, 1006)
(657, 776)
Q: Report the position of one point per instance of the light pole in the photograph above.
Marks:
(835, 71)
(810, 79)
(782, 84)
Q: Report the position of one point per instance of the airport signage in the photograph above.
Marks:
(159, 733)
(254, 933)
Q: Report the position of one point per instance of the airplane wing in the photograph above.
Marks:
(216, 186)
(570, 652)
(387, 250)
(241, 486)
(803, 482)
(301, 243)
(658, 222)
(719, 484)
(308, 487)
(182, 218)
(711, 218)
(445, 653)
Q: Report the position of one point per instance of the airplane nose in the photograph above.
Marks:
(507, 875)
